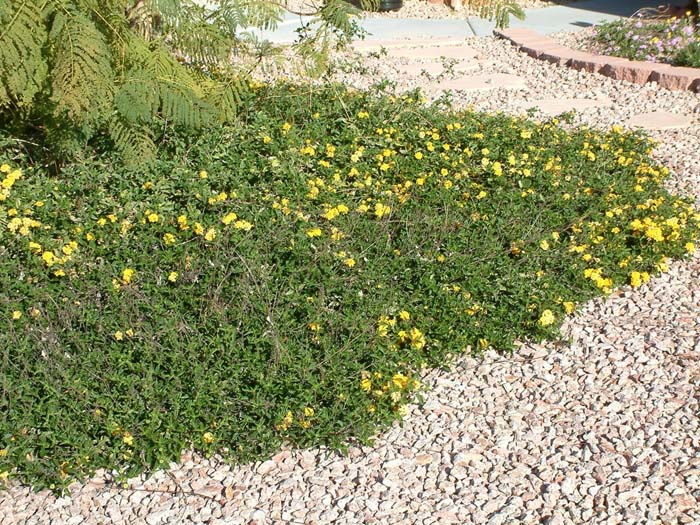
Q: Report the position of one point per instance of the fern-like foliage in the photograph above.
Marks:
(23, 33)
(82, 76)
(499, 11)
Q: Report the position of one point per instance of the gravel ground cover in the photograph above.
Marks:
(424, 9)
(601, 428)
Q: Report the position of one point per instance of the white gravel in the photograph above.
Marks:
(604, 429)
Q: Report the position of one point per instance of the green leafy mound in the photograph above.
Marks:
(671, 40)
(286, 278)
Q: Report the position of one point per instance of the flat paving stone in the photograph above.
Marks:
(367, 46)
(458, 52)
(484, 82)
(557, 106)
(660, 120)
(436, 67)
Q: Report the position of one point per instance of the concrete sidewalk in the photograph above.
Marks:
(569, 17)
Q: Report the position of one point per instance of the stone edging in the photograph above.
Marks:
(545, 48)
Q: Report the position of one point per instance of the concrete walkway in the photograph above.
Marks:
(569, 17)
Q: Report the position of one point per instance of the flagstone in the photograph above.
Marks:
(484, 82)
(454, 51)
(660, 120)
(557, 106)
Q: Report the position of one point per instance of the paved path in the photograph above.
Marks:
(569, 17)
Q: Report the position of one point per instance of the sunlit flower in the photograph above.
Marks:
(243, 225)
(127, 275)
(546, 319)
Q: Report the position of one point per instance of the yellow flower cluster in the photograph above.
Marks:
(393, 389)
(304, 419)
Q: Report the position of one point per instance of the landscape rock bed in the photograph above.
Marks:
(638, 72)
(604, 428)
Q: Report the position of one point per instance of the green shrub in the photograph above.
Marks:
(689, 56)
(670, 40)
(286, 278)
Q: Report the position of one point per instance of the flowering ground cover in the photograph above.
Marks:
(286, 279)
(672, 40)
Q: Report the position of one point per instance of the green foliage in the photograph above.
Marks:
(688, 56)
(285, 278)
(498, 10)
(670, 40)
(71, 69)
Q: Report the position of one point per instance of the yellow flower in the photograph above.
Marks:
(16, 315)
(243, 225)
(568, 306)
(152, 217)
(172, 277)
(314, 232)
(210, 235)
(366, 382)
(128, 439)
(417, 339)
(169, 239)
(118, 335)
(380, 210)
(182, 222)
(546, 319)
(127, 275)
(49, 258)
(229, 218)
(314, 327)
(286, 422)
(203, 174)
(690, 247)
(655, 233)
(404, 315)
(35, 247)
(130, 333)
(635, 279)
(59, 273)
(400, 381)
(544, 245)
(198, 228)
(208, 438)
(308, 411)
(349, 262)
